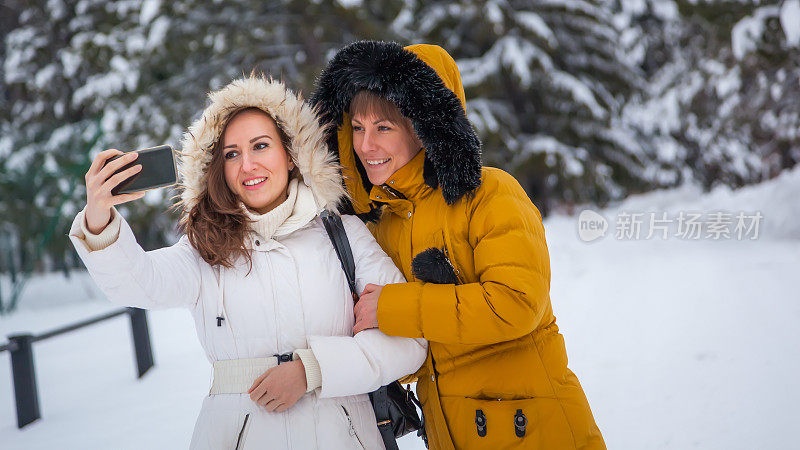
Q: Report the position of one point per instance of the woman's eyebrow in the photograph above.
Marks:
(259, 137)
(251, 140)
(374, 123)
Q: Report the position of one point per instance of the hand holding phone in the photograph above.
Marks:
(115, 177)
(158, 170)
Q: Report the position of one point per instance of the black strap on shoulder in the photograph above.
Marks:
(380, 398)
(338, 235)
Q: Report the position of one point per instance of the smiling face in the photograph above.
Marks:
(382, 145)
(383, 138)
(255, 161)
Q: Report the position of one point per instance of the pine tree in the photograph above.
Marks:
(545, 83)
(82, 76)
(721, 103)
(582, 100)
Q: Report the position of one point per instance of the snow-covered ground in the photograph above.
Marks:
(678, 343)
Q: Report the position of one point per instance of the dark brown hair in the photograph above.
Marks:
(216, 226)
(367, 103)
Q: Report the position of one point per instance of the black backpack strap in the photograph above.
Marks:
(380, 404)
(338, 235)
(380, 398)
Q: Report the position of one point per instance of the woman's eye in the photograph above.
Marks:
(231, 154)
(357, 128)
(261, 145)
(384, 128)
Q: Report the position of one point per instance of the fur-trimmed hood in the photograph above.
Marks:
(309, 151)
(425, 84)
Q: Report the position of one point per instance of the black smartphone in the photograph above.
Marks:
(158, 170)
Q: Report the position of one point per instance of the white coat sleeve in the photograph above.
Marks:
(106, 236)
(362, 363)
(129, 276)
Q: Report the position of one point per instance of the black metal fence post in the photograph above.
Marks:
(141, 340)
(20, 346)
(25, 391)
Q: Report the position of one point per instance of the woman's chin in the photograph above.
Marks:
(378, 179)
(259, 203)
(263, 209)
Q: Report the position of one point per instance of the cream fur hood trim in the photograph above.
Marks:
(317, 166)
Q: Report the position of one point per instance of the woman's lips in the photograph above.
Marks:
(257, 185)
(377, 163)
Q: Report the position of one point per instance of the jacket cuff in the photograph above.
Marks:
(106, 237)
(399, 310)
(313, 372)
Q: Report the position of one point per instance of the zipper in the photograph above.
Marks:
(240, 439)
(275, 302)
(351, 428)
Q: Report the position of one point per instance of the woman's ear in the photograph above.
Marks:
(417, 140)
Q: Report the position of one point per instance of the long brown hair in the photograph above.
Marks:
(217, 225)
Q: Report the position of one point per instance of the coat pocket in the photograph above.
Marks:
(340, 424)
(242, 436)
(351, 429)
(435, 264)
(523, 423)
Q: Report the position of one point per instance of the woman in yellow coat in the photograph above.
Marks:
(469, 241)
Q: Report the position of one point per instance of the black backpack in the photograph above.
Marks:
(394, 406)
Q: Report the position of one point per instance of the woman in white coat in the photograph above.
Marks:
(270, 301)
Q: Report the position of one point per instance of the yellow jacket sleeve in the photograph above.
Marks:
(511, 264)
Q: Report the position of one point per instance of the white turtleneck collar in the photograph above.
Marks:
(295, 212)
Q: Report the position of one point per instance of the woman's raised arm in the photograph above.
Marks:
(129, 276)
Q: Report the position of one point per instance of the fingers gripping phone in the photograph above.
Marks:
(158, 170)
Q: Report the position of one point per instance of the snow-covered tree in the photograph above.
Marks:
(79, 76)
(582, 100)
(545, 83)
(721, 105)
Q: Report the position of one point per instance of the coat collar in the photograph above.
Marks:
(296, 212)
(407, 182)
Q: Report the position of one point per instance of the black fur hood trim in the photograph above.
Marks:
(452, 148)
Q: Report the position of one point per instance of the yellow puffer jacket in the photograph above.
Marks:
(496, 360)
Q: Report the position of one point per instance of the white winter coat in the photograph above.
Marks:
(295, 297)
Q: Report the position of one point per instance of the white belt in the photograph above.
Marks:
(235, 376)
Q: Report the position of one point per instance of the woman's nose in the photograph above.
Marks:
(248, 162)
(368, 144)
